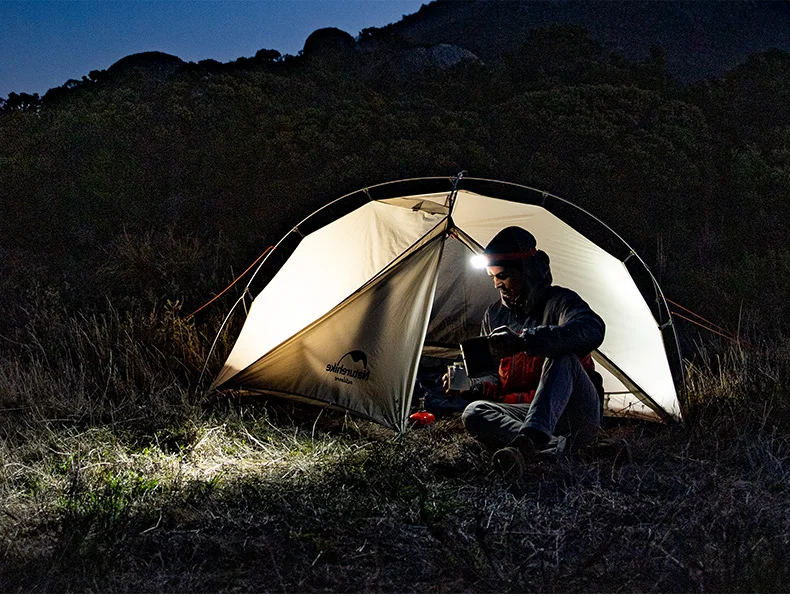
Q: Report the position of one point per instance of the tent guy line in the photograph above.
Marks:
(233, 283)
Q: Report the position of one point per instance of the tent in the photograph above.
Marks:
(350, 300)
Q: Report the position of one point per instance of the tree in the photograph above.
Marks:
(20, 102)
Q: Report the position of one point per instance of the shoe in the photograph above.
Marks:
(512, 460)
(508, 461)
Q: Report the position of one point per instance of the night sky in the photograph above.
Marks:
(44, 43)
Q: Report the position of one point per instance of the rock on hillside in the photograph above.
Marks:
(149, 61)
(440, 56)
(329, 41)
(334, 45)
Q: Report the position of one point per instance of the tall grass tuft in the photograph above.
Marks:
(108, 368)
(741, 388)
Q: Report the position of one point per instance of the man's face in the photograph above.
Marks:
(508, 280)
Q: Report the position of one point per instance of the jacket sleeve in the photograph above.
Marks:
(485, 326)
(579, 330)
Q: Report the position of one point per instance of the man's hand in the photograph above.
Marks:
(503, 341)
(446, 382)
(446, 386)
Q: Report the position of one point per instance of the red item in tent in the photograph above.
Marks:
(421, 417)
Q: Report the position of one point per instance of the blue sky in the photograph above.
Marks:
(44, 43)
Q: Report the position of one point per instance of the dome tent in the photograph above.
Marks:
(355, 295)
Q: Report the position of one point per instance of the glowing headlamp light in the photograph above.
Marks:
(482, 260)
(479, 261)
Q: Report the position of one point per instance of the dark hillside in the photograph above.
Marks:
(700, 38)
(246, 149)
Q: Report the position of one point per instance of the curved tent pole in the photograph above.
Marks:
(365, 189)
(221, 327)
(660, 299)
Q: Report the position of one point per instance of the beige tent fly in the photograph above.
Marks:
(357, 293)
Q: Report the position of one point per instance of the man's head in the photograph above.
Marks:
(520, 272)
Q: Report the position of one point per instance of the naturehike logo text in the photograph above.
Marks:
(346, 374)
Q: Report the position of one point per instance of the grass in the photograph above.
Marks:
(119, 474)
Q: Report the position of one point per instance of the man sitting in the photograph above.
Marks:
(543, 396)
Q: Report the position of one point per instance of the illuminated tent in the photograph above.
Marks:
(355, 295)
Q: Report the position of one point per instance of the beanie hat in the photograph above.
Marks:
(509, 247)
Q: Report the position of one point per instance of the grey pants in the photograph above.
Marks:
(565, 404)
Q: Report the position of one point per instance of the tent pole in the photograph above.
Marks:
(454, 192)
(213, 345)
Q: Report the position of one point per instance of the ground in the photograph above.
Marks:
(274, 497)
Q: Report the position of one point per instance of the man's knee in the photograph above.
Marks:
(568, 362)
(474, 414)
(567, 367)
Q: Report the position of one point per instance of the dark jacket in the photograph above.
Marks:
(560, 323)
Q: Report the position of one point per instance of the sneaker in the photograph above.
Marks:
(512, 460)
(508, 461)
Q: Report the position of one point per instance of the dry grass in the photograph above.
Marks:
(117, 474)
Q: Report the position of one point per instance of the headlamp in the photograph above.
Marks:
(479, 261)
